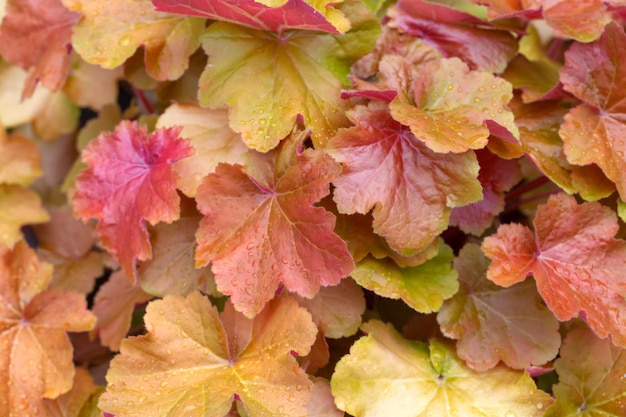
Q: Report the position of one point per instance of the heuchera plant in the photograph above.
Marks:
(317, 208)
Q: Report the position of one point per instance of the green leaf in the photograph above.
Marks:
(423, 287)
(296, 73)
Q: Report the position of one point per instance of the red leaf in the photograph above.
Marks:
(576, 261)
(293, 14)
(456, 33)
(129, 180)
(35, 34)
(260, 227)
(411, 188)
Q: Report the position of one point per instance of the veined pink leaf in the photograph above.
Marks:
(411, 188)
(130, 180)
(269, 15)
(576, 261)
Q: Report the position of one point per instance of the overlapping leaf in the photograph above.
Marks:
(423, 287)
(580, 20)
(385, 372)
(35, 34)
(195, 363)
(19, 159)
(18, 207)
(591, 378)
(539, 123)
(595, 131)
(67, 243)
(299, 73)
(336, 310)
(130, 180)
(79, 402)
(261, 229)
(493, 323)
(110, 31)
(411, 188)
(455, 33)
(172, 267)
(496, 176)
(576, 261)
(268, 15)
(35, 352)
(114, 305)
(449, 107)
(211, 137)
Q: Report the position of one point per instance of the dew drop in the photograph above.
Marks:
(125, 40)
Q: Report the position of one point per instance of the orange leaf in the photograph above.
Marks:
(35, 352)
(194, 364)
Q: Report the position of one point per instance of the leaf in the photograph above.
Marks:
(449, 106)
(411, 188)
(92, 86)
(35, 350)
(299, 73)
(591, 377)
(19, 159)
(261, 229)
(35, 34)
(192, 363)
(114, 305)
(422, 287)
(18, 207)
(268, 15)
(211, 137)
(130, 180)
(337, 310)
(575, 259)
(495, 324)
(110, 31)
(171, 269)
(79, 401)
(593, 132)
(457, 33)
(539, 124)
(496, 176)
(322, 404)
(386, 372)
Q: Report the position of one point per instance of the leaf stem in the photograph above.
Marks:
(143, 100)
(524, 188)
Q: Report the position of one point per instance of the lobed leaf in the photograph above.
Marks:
(577, 263)
(35, 352)
(495, 324)
(195, 364)
(261, 229)
(386, 372)
(411, 188)
(110, 31)
(591, 377)
(35, 35)
(295, 74)
(129, 180)
(19, 159)
(594, 131)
